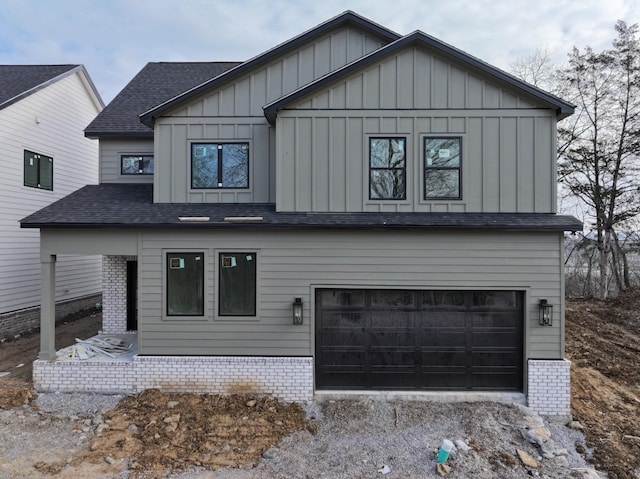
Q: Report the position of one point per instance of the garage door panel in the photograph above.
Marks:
(410, 339)
(494, 339)
(342, 320)
(441, 357)
(439, 338)
(392, 379)
(347, 337)
(393, 358)
(429, 320)
(390, 338)
(341, 298)
(343, 357)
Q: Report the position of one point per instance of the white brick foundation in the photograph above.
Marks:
(549, 387)
(114, 294)
(287, 378)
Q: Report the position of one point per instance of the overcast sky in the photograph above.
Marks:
(114, 39)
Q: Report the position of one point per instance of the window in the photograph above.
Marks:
(442, 168)
(220, 165)
(136, 164)
(387, 169)
(185, 284)
(237, 284)
(38, 170)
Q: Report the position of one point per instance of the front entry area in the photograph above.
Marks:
(419, 340)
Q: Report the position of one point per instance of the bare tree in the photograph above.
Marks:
(599, 155)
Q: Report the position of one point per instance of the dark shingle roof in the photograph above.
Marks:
(19, 81)
(131, 206)
(154, 84)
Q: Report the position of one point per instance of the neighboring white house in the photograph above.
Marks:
(44, 156)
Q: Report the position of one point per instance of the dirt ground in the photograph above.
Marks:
(153, 433)
(603, 343)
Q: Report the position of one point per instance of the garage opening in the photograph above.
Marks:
(419, 340)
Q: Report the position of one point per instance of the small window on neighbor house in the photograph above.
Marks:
(38, 170)
(442, 168)
(136, 164)
(387, 169)
(185, 284)
(220, 165)
(237, 284)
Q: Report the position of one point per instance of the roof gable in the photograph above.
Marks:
(420, 39)
(346, 18)
(19, 81)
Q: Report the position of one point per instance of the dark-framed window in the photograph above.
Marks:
(38, 170)
(185, 284)
(136, 164)
(387, 168)
(219, 165)
(442, 168)
(237, 284)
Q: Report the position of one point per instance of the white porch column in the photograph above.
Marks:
(48, 308)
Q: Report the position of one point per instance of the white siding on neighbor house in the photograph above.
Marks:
(234, 112)
(62, 110)
(291, 264)
(508, 141)
(111, 151)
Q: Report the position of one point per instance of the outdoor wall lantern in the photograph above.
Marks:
(545, 313)
(297, 311)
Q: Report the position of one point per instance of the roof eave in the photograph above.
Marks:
(97, 135)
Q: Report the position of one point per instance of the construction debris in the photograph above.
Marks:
(110, 346)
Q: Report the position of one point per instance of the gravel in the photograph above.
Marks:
(354, 438)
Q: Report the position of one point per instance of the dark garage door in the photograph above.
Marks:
(419, 340)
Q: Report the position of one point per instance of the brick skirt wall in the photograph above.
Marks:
(287, 378)
(24, 320)
(549, 387)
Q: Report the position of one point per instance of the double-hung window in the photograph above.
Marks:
(136, 164)
(185, 284)
(387, 168)
(237, 284)
(442, 168)
(219, 165)
(38, 170)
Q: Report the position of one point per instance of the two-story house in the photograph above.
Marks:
(44, 156)
(350, 210)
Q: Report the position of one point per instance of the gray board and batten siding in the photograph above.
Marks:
(321, 142)
(234, 112)
(508, 142)
(295, 263)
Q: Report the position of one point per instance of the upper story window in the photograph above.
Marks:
(136, 164)
(220, 165)
(387, 168)
(442, 168)
(38, 170)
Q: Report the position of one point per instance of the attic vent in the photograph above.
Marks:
(194, 219)
(243, 218)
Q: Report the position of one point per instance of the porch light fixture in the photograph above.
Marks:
(545, 313)
(297, 311)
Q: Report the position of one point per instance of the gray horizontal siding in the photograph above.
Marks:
(292, 264)
(507, 159)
